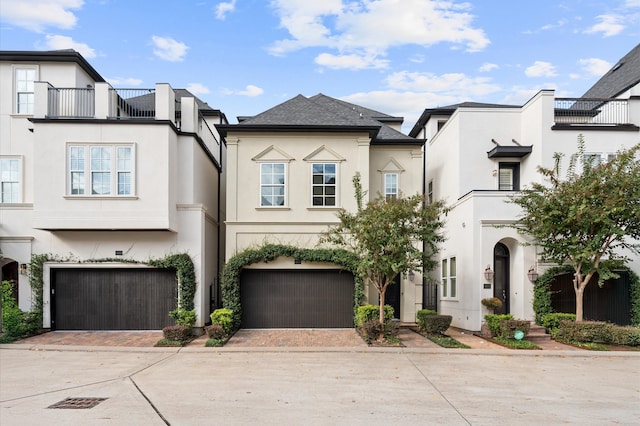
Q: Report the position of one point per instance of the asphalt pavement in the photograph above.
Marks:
(317, 386)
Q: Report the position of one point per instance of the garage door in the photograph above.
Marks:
(112, 299)
(296, 299)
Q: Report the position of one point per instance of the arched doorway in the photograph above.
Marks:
(501, 277)
(10, 273)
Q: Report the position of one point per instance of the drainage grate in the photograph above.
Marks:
(78, 403)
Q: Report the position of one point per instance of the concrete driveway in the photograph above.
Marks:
(399, 386)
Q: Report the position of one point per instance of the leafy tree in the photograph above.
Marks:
(587, 219)
(385, 235)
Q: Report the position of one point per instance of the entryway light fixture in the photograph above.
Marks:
(23, 269)
(411, 275)
(532, 274)
(488, 273)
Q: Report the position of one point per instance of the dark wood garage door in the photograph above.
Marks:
(112, 299)
(296, 299)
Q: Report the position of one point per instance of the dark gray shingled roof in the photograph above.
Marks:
(620, 78)
(148, 102)
(321, 112)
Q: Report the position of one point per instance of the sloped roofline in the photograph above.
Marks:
(67, 55)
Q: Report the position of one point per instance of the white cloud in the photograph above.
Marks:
(541, 69)
(373, 27)
(487, 66)
(609, 25)
(519, 95)
(250, 90)
(59, 42)
(36, 15)
(632, 3)
(452, 84)
(198, 89)
(353, 62)
(124, 82)
(169, 49)
(225, 7)
(595, 66)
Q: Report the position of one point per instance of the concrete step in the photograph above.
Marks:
(537, 334)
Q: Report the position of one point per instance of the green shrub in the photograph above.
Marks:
(421, 314)
(16, 323)
(177, 332)
(628, 336)
(183, 317)
(585, 331)
(368, 313)
(551, 322)
(224, 318)
(214, 343)
(508, 328)
(493, 321)
(435, 324)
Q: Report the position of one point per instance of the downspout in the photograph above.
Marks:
(217, 279)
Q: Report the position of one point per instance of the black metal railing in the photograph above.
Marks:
(132, 103)
(71, 102)
(591, 111)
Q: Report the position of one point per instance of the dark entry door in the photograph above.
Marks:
(296, 298)
(392, 297)
(112, 299)
(501, 277)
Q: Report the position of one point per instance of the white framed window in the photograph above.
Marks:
(430, 192)
(100, 170)
(24, 79)
(10, 179)
(390, 186)
(449, 278)
(273, 184)
(324, 184)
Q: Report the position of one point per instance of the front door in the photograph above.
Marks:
(392, 296)
(501, 277)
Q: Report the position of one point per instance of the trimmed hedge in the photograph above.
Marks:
(551, 322)
(597, 332)
(493, 321)
(508, 328)
(180, 333)
(223, 317)
(435, 324)
(421, 314)
(368, 313)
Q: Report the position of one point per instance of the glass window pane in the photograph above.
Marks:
(330, 190)
(278, 168)
(453, 287)
(317, 190)
(452, 267)
(444, 268)
(317, 179)
(317, 201)
(100, 183)
(330, 201)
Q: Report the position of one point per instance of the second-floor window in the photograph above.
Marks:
(323, 186)
(9, 180)
(272, 184)
(24, 84)
(100, 170)
(509, 177)
(390, 186)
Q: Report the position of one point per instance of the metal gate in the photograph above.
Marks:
(296, 299)
(112, 299)
(611, 302)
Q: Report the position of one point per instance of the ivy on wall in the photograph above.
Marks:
(542, 293)
(181, 263)
(230, 277)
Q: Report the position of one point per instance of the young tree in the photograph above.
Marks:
(588, 218)
(386, 235)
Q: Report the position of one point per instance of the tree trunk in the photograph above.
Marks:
(382, 305)
(579, 297)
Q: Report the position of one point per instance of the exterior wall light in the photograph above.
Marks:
(532, 274)
(411, 275)
(488, 273)
(23, 269)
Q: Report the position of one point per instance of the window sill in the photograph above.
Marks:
(278, 208)
(450, 299)
(100, 197)
(328, 208)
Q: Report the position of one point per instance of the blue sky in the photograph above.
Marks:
(395, 56)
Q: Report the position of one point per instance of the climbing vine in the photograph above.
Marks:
(181, 263)
(542, 292)
(230, 277)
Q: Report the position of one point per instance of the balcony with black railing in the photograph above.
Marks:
(597, 112)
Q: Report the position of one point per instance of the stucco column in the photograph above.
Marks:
(188, 115)
(41, 99)
(101, 91)
(165, 102)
